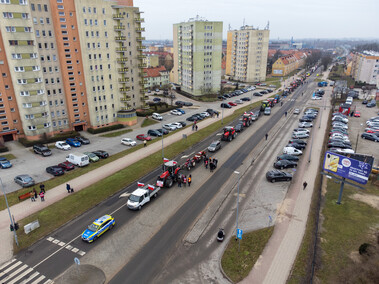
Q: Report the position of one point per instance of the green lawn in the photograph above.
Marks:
(9, 156)
(116, 133)
(73, 205)
(148, 122)
(238, 261)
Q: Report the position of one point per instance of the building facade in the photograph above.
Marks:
(156, 77)
(284, 65)
(71, 65)
(365, 67)
(246, 55)
(197, 56)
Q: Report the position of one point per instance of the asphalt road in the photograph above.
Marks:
(166, 241)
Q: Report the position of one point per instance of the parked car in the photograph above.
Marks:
(4, 163)
(305, 125)
(276, 175)
(342, 151)
(154, 132)
(296, 111)
(284, 164)
(182, 123)
(180, 110)
(238, 127)
(156, 100)
(267, 111)
(232, 104)
(292, 151)
(300, 135)
(169, 126)
(143, 137)
(297, 146)
(62, 145)
(128, 142)
(370, 136)
(177, 125)
(73, 142)
(245, 99)
(83, 140)
(67, 166)
(297, 141)
(338, 144)
(163, 131)
(55, 170)
(101, 154)
(306, 119)
(179, 103)
(176, 112)
(288, 157)
(215, 145)
(42, 150)
(92, 157)
(212, 111)
(157, 116)
(24, 180)
(301, 130)
(188, 104)
(97, 228)
(205, 114)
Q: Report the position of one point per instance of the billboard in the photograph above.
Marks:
(346, 167)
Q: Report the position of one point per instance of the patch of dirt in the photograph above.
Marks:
(355, 256)
(369, 199)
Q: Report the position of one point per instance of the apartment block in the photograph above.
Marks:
(197, 56)
(365, 67)
(69, 65)
(246, 55)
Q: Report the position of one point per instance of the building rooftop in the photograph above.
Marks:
(154, 71)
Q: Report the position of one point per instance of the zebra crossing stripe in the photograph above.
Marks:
(10, 268)
(38, 280)
(14, 273)
(35, 274)
(20, 276)
(7, 263)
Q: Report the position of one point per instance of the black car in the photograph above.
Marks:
(370, 136)
(297, 141)
(238, 127)
(365, 102)
(162, 130)
(153, 132)
(188, 104)
(276, 175)
(297, 146)
(245, 99)
(212, 111)
(82, 140)
(305, 119)
(182, 123)
(257, 94)
(55, 170)
(42, 150)
(227, 96)
(224, 105)
(192, 118)
(337, 144)
(179, 103)
(101, 154)
(284, 164)
(198, 116)
(287, 157)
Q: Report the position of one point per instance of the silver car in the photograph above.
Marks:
(24, 180)
(215, 145)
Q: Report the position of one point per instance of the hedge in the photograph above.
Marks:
(105, 129)
(46, 139)
(3, 149)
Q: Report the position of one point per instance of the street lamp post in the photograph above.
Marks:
(238, 194)
(9, 212)
(222, 113)
(162, 140)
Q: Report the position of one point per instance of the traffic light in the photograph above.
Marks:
(16, 226)
(11, 227)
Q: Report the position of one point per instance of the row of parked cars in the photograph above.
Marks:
(62, 145)
(338, 137)
(292, 150)
(372, 129)
(236, 93)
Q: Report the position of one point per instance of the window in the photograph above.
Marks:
(45, 8)
(26, 105)
(23, 2)
(105, 22)
(35, 21)
(41, 21)
(60, 7)
(16, 56)
(19, 69)
(61, 14)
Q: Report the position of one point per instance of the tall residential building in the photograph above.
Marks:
(69, 65)
(246, 56)
(365, 67)
(197, 56)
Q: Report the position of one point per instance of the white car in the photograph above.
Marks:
(238, 102)
(301, 130)
(296, 111)
(176, 112)
(169, 126)
(345, 120)
(342, 151)
(157, 116)
(341, 137)
(128, 142)
(292, 151)
(205, 114)
(305, 125)
(316, 98)
(62, 145)
(340, 125)
(177, 124)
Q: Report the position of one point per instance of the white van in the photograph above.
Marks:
(349, 100)
(157, 116)
(78, 159)
(299, 135)
(292, 151)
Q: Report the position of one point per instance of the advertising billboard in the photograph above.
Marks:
(347, 167)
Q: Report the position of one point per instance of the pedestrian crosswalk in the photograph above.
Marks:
(16, 272)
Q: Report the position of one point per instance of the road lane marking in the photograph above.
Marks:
(14, 273)
(7, 263)
(20, 276)
(35, 274)
(39, 279)
(10, 268)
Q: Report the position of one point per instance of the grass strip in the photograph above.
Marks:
(239, 259)
(59, 213)
(9, 156)
(116, 133)
(148, 122)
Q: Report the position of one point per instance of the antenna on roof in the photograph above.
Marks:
(229, 27)
(267, 26)
(243, 22)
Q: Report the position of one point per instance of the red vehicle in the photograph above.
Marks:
(229, 133)
(232, 104)
(357, 113)
(170, 174)
(191, 162)
(67, 166)
(246, 119)
(143, 137)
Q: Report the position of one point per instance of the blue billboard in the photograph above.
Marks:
(347, 167)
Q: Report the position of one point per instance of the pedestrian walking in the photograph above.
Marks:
(217, 114)
(305, 185)
(35, 194)
(266, 136)
(180, 181)
(215, 161)
(206, 163)
(302, 93)
(42, 187)
(193, 127)
(68, 187)
(32, 196)
(189, 180)
(144, 143)
(42, 195)
(285, 114)
(196, 127)
(195, 122)
(184, 180)
(211, 166)
(281, 103)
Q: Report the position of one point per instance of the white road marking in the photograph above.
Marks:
(81, 253)
(126, 194)
(10, 268)
(20, 276)
(7, 263)
(35, 274)
(14, 273)
(75, 250)
(39, 279)
(61, 244)
(50, 239)
(218, 134)
(55, 241)
(183, 157)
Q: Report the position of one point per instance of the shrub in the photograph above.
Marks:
(105, 129)
(45, 139)
(3, 149)
(364, 249)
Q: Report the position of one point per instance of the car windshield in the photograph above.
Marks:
(134, 198)
(93, 227)
(27, 179)
(213, 145)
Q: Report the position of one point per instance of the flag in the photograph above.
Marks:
(174, 162)
(140, 184)
(151, 187)
(165, 160)
(159, 183)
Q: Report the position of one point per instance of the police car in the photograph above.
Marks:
(97, 228)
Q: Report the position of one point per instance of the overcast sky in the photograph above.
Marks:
(297, 18)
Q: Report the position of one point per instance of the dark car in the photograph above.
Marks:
(83, 140)
(162, 130)
(284, 164)
(245, 99)
(188, 104)
(153, 132)
(198, 116)
(297, 146)
(337, 144)
(370, 136)
(157, 100)
(42, 150)
(212, 111)
(365, 102)
(227, 96)
(67, 166)
(182, 123)
(257, 94)
(276, 175)
(179, 103)
(287, 157)
(305, 119)
(238, 127)
(224, 105)
(192, 118)
(55, 170)
(297, 141)
(101, 154)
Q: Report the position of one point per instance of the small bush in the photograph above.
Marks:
(3, 149)
(105, 129)
(364, 249)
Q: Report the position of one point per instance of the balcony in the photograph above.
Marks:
(139, 30)
(139, 20)
(119, 28)
(120, 38)
(117, 16)
(122, 60)
(127, 108)
(142, 65)
(140, 38)
(142, 91)
(124, 89)
(123, 70)
(123, 80)
(141, 47)
(121, 49)
(141, 57)
(142, 83)
(126, 99)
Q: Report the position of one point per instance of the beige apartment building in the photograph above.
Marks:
(246, 55)
(70, 65)
(365, 67)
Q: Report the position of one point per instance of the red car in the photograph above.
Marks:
(357, 114)
(67, 166)
(143, 137)
(232, 104)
